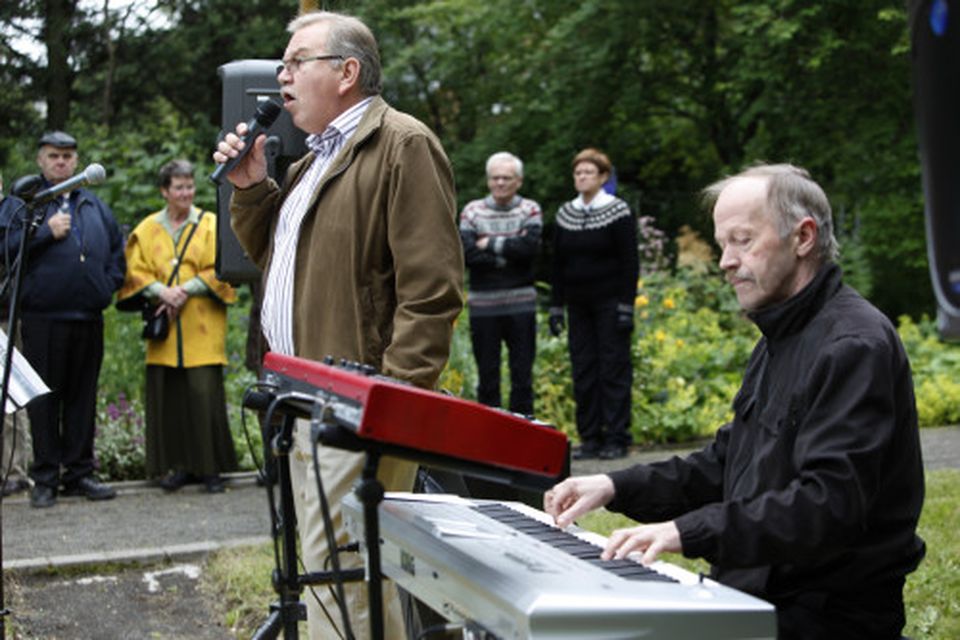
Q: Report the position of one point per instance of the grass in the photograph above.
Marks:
(932, 594)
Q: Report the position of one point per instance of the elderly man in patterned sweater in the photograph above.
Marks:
(501, 240)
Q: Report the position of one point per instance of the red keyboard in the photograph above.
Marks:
(406, 418)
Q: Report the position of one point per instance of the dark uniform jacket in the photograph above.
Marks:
(814, 490)
(73, 278)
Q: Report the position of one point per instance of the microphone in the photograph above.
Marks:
(264, 117)
(93, 174)
(25, 187)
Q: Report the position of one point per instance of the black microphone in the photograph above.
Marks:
(25, 187)
(265, 116)
(93, 174)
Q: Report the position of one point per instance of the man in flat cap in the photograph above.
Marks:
(75, 265)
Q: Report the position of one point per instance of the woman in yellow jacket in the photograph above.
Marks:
(188, 434)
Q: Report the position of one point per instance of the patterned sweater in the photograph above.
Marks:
(595, 252)
(501, 275)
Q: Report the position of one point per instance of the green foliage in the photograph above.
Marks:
(688, 356)
(120, 453)
(459, 377)
(934, 365)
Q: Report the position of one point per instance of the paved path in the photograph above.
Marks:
(144, 523)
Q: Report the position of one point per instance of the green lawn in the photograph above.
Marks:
(932, 594)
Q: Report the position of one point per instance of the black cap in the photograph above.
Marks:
(58, 139)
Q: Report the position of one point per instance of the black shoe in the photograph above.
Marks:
(586, 452)
(175, 480)
(613, 452)
(43, 496)
(214, 484)
(91, 488)
(15, 485)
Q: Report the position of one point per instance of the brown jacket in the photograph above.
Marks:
(379, 266)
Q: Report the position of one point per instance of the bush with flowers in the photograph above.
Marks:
(120, 453)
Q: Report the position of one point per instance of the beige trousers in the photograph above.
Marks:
(17, 451)
(340, 470)
(21, 447)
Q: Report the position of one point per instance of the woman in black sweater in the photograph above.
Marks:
(595, 272)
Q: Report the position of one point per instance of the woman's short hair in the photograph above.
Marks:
(174, 169)
(595, 157)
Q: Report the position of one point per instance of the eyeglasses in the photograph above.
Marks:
(293, 64)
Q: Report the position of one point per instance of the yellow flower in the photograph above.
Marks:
(644, 315)
(641, 301)
(660, 335)
(679, 342)
(640, 283)
(668, 303)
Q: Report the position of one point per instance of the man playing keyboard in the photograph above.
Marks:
(810, 496)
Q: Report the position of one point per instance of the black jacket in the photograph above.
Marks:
(817, 484)
(73, 278)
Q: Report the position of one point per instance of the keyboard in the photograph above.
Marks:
(505, 569)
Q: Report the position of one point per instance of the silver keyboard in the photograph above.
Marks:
(503, 567)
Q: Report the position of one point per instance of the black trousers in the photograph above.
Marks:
(67, 355)
(875, 613)
(519, 332)
(602, 374)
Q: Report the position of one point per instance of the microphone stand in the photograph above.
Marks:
(31, 222)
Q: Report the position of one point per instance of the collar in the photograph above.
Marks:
(793, 314)
(193, 216)
(343, 126)
(369, 124)
(599, 201)
(492, 204)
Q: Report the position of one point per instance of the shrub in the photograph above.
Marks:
(120, 453)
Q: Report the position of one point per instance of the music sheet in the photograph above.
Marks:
(25, 384)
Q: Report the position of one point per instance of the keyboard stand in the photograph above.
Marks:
(288, 611)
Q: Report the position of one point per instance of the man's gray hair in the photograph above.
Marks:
(500, 156)
(792, 195)
(351, 38)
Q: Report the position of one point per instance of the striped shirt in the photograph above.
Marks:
(276, 314)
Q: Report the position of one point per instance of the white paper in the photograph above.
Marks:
(25, 384)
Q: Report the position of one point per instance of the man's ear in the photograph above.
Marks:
(349, 75)
(806, 239)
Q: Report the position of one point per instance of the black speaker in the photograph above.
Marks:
(246, 83)
(935, 34)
